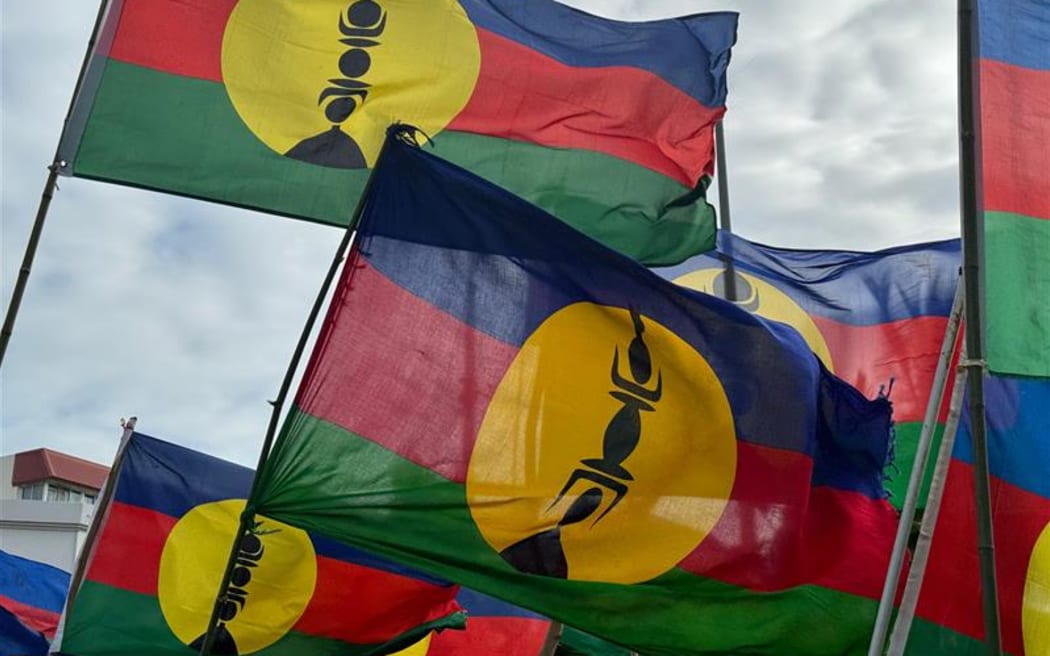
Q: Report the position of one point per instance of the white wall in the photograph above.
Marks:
(40, 530)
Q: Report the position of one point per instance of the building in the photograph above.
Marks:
(47, 500)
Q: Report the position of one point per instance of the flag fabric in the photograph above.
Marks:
(1014, 66)
(1014, 83)
(31, 598)
(493, 627)
(154, 570)
(539, 418)
(876, 319)
(496, 627)
(949, 616)
(281, 105)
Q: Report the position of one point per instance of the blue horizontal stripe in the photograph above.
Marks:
(503, 266)
(1016, 32)
(691, 53)
(1018, 426)
(173, 480)
(32, 583)
(481, 605)
(851, 287)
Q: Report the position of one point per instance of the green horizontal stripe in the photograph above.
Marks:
(1017, 286)
(107, 621)
(635, 210)
(325, 479)
(182, 135)
(929, 639)
(905, 444)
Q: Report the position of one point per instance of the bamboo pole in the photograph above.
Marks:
(102, 505)
(910, 599)
(550, 643)
(922, 449)
(45, 204)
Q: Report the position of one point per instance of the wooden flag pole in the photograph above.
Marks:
(917, 570)
(45, 204)
(724, 219)
(918, 470)
(102, 506)
(550, 643)
(247, 523)
(973, 254)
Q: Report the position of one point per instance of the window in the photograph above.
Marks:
(89, 499)
(33, 492)
(57, 493)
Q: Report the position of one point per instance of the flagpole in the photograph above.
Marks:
(724, 219)
(550, 643)
(45, 203)
(917, 571)
(918, 470)
(248, 516)
(102, 504)
(973, 252)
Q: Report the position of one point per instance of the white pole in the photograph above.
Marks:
(899, 637)
(911, 497)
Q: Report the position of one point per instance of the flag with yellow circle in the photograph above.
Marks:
(152, 574)
(499, 400)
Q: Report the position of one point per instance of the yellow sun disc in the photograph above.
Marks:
(1035, 604)
(272, 584)
(316, 80)
(607, 453)
(766, 301)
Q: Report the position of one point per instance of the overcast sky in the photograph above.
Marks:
(841, 133)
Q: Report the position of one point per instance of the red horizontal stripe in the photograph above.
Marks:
(351, 602)
(38, 619)
(1015, 131)
(127, 553)
(626, 112)
(951, 592)
(362, 605)
(906, 351)
(433, 353)
(181, 37)
(506, 636)
(779, 532)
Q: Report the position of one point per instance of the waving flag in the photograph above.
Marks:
(31, 598)
(281, 105)
(1014, 92)
(1015, 130)
(541, 419)
(949, 617)
(876, 319)
(493, 627)
(154, 569)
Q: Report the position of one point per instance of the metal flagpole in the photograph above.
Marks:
(910, 599)
(973, 253)
(45, 204)
(724, 220)
(911, 497)
(248, 516)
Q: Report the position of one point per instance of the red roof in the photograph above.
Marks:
(43, 464)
